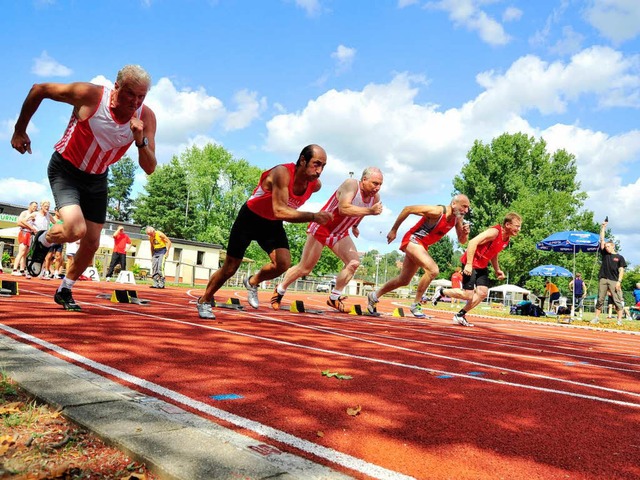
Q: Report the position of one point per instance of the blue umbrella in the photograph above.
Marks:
(571, 241)
(550, 271)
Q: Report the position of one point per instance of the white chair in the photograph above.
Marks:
(556, 304)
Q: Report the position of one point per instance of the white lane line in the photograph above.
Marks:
(319, 451)
(398, 364)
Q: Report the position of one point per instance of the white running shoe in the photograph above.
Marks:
(371, 303)
(416, 310)
(252, 293)
(16, 273)
(461, 320)
(437, 295)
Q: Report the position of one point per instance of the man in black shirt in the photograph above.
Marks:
(610, 277)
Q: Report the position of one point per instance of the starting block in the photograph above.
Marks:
(124, 296)
(126, 276)
(298, 307)
(92, 274)
(398, 312)
(232, 303)
(8, 287)
(357, 310)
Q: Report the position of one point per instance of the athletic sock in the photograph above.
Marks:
(335, 295)
(43, 240)
(66, 283)
(462, 312)
(280, 290)
(374, 296)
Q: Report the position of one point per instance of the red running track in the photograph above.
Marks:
(504, 399)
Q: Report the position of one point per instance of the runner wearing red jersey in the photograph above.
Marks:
(280, 192)
(352, 201)
(482, 250)
(104, 123)
(436, 221)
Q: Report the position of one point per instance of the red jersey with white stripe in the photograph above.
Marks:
(427, 232)
(486, 251)
(330, 233)
(261, 203)
(97, 142)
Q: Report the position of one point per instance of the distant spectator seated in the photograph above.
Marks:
(636, 295)
(526, 308)
(552, 291)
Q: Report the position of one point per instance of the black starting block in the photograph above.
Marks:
(298, 307)
(232, 303)
(357, 310)
(8, 287)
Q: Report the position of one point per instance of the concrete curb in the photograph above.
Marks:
(175, 444)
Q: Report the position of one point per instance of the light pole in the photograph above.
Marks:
(378, 257)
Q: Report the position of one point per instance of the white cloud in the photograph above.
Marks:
(344, 57)
(569, 43)
(618, 20)
(511, 14)
(21, 192)
(467, 13)
(420, 147)
(249, 108)
(406, 3)
(182, 113)
(312, 7)
(45, 66)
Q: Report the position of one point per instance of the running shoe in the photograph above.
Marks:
(252, 293)
(37, 254)
(64, 298)
(371, 304)
(276, 299)
(416, 310)
(205, 310)
(17, 273)
(27, 276)
(337, 304)
(460, 319)
(46, 275)
(437, 295)
(594, 321)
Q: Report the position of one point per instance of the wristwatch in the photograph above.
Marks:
(144, 143)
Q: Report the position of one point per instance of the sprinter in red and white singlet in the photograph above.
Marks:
(104, 123)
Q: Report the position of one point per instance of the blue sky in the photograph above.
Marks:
(405, 85)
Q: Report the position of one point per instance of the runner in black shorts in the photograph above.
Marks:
(280, 192)
(105, 122)
(481, 251)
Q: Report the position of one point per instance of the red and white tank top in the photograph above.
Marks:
(97, 142)
(340, 225)
(261, 203)
(428, 232)
(486, 251)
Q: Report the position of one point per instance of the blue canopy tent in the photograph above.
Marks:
(571, 241)
(550, 271)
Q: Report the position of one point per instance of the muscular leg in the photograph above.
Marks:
(310, 256)
(21, 258)
(409, 268)
(280, 262)
(346, 251)
(88, 247)
(220, 276)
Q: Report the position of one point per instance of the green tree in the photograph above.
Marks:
(516, 173)
(121, 177)
(218, 185)
(164, 203)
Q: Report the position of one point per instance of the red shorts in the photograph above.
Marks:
(24, 238)
(327, 238)
(409, 238)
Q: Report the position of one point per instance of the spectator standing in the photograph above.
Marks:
(579, 290)
(160, 246)
(121, 243)
(610, 277)
(551, 291)
(27, 229)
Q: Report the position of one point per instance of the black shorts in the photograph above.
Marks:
(71, 186)
(478, 278)
(249, 226)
